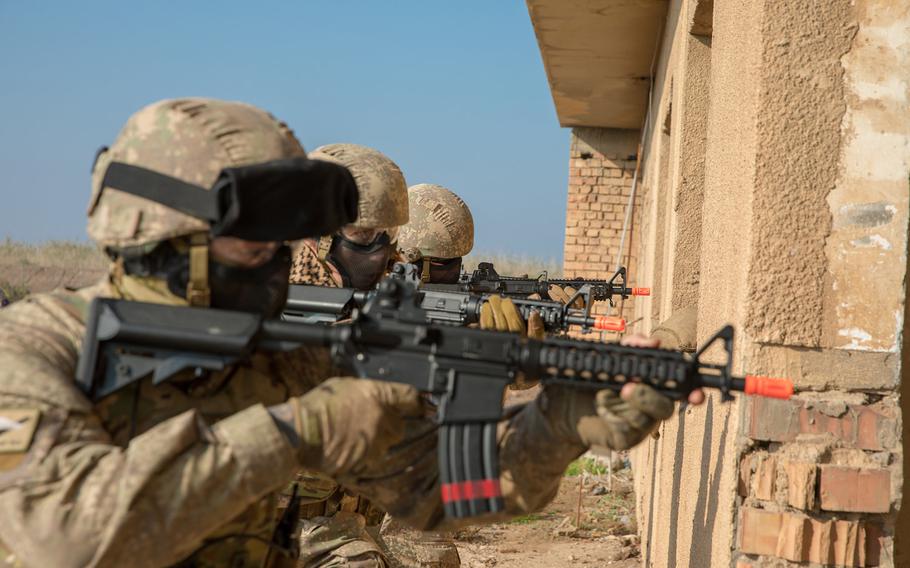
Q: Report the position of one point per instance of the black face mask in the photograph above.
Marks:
(444, 271)
(262, 290)
(361, 266)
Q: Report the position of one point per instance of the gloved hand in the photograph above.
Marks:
(501, 314)
(617, 421)
(562, 295)
(346, 424)
(405, 480)
(606, 418)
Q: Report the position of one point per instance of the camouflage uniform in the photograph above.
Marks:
(184, 473)
(334, 521)
(440, 227)
(125, 456)
(187, 473)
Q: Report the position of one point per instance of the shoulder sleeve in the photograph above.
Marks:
(70, 497)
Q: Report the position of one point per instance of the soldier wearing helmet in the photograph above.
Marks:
(194, 203)
(333, 522)
(439, 233)
(187, 472)
(358, 254)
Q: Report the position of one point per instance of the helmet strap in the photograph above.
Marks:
(425, 270)
(323, 246)
(198, 292)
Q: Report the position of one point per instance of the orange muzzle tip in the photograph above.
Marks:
(641, 291)
(609, 323)
(769, 387)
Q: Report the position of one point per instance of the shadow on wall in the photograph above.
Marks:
(705, 513)
(902, 528)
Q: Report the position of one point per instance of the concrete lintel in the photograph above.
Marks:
(598, 55)
(824, 369)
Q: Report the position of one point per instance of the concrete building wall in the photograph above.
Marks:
(774, 196)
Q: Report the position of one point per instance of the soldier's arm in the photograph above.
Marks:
(70, 497)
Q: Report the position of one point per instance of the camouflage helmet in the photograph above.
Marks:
(441, 224)
(190, 139)
(383, 191)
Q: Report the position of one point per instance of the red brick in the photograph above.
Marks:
(837, 543)
(759, 531)
(745, 475)
(801, 484)
(765, 474)
(799, 538)
(852, 489)
(861, 427)
(773, 420)
(795, 538)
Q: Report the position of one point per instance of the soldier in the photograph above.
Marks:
(439, 234)
(334, 523)
(187, 473)
(358, 255)
(184, 472)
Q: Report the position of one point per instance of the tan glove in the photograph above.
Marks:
(605, 418)
(501, 314)
(405, 480)
(347, 424)
(562, 295)
(619, 420)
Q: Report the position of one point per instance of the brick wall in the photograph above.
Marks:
(601, 166)
(820, 480)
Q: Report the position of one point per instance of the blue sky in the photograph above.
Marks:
(454, 92)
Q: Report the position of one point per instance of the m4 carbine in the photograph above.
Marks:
(484, 279)
(464, 371)
(442, 304)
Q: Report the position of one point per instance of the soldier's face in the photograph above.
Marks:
(248, 275)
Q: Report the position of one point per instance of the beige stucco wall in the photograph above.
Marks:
(685, 486)
(776, 198)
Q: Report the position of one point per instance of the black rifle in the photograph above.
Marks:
(465, 371)
(442, 303)
(484, 279)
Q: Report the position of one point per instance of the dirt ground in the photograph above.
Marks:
(605, 535)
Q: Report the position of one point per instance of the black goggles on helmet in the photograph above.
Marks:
(280, 200)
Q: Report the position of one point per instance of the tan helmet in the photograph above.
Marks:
(189, 139)
(383, 191)
(441, 224)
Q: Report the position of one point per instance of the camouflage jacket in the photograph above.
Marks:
(184, 473)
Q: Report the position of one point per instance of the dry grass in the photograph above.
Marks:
(28, 268)
(515, 265)
(52, 253)
(41, 267)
